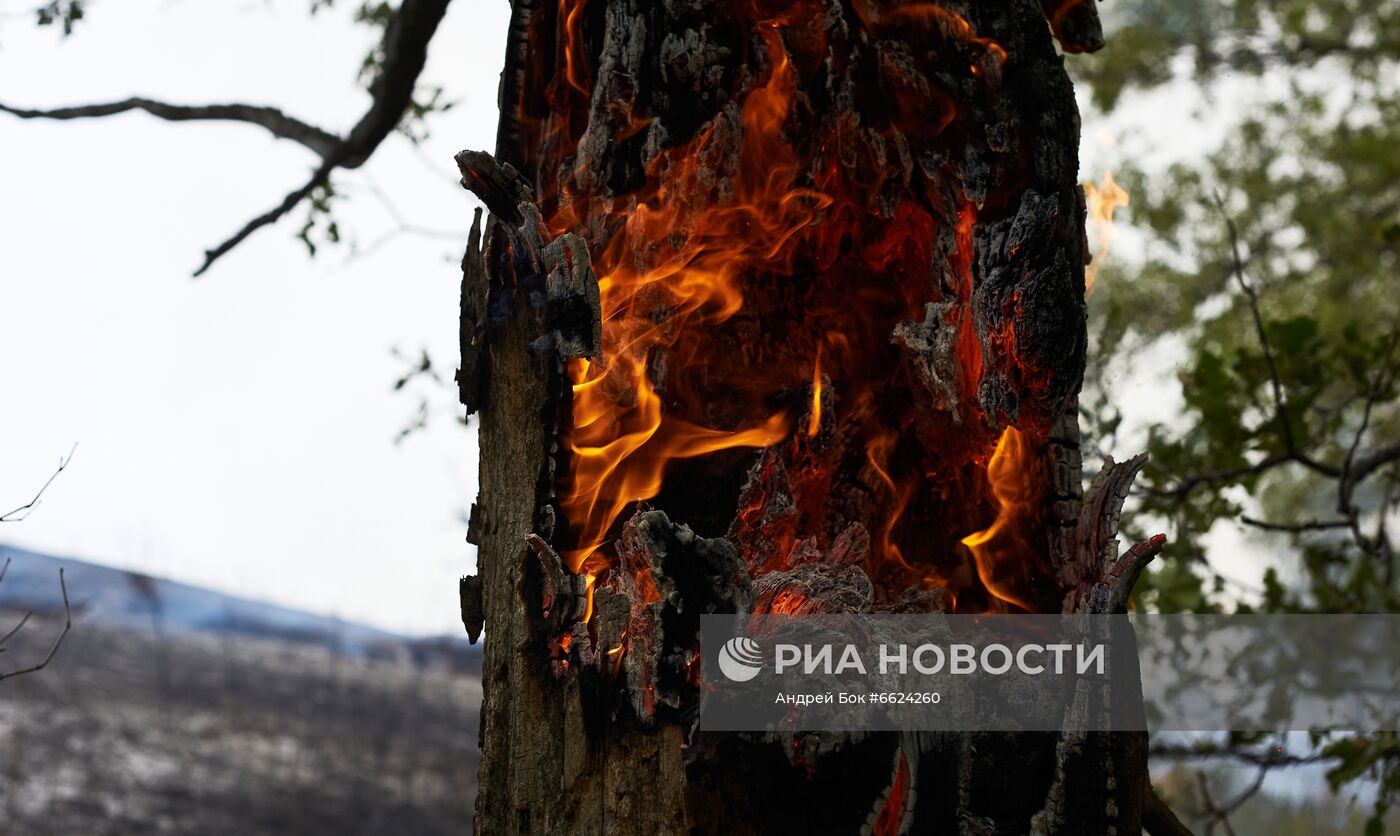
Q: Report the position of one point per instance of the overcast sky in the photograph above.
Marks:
(237, 431)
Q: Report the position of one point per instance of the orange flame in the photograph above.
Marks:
(1001, 556)
(877, 452)
(952, 25)
(969, 349)
(1102, 200)
(573, 44)
(675, 259)
(654, 289)
(814, 424)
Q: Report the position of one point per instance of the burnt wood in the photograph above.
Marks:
(960, 129)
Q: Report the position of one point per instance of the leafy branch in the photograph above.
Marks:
(1348, 475)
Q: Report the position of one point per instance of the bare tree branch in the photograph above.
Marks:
(1159, 820)
(275, 121)
(1346, 485)
(1296, 528)
(1366, 466)
(318, 178)
(404, 50)
(20, 626)
(23, 511)
(1273, 757)
(1291, 452)
(1354, 468)
(1219, 814)
(67, 625)
(1185, 486)
(402, 226)
(1275, 382)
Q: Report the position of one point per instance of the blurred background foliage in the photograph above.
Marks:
(1269, 265)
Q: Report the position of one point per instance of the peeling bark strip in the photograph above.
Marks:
(779, 309)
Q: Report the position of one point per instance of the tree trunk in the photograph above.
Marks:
(779, 309)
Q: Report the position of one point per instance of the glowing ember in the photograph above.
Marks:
(891, 813)
(814, 423)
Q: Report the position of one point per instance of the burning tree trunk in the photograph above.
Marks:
(779, 309)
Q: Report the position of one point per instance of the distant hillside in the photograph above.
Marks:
(172, 709)
(103, 595)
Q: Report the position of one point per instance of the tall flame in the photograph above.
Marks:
(572, 42)
(1001, 557)
(1102, 200)
(622, 437)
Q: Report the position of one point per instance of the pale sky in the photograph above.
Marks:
(237, 431)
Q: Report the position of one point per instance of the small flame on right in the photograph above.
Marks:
(1102, 200)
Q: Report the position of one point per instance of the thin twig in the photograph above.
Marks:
(1272, 758)
(1346, 484)
(319, 178)
(14, 630)
(1220, 813)
(22, 511)
(67, 625)
(1183, 487)
(401, 225)
(1383, 537)
(1296, 528)
(1253, 299)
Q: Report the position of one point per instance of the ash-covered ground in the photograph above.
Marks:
(158, 728)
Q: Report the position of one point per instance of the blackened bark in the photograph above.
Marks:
(951, 133)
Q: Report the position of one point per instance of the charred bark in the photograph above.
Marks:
(890, 189)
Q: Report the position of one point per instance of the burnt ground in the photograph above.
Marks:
(135, 730)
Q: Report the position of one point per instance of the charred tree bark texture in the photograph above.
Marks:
(779, 308)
